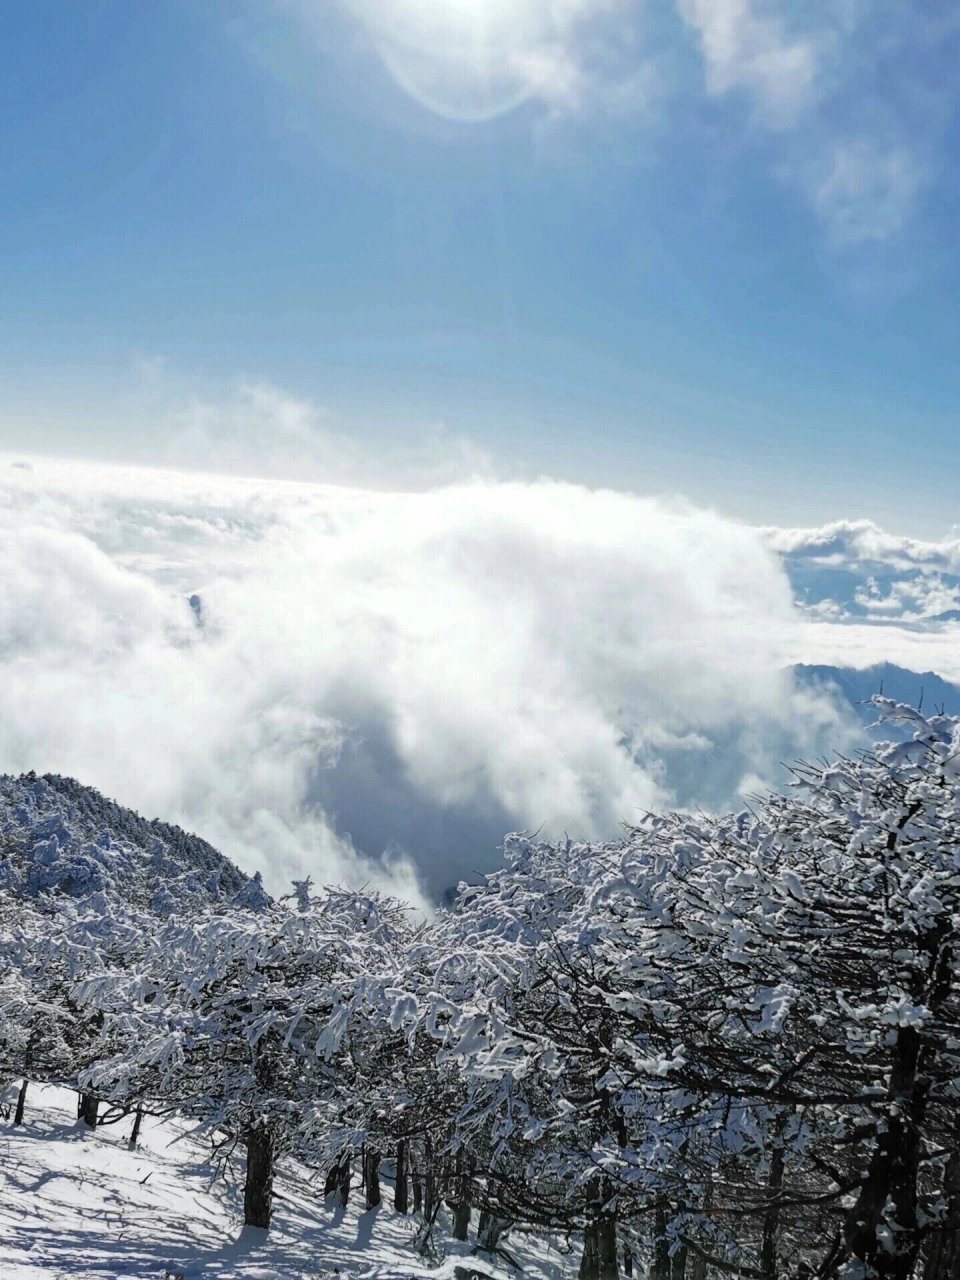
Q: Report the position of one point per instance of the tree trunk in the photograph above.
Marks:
(941, 1254)
(461, 1219)
(400, 1188)
(137, 1122)
(771, 1219)
(344, 1177)
(21, 1103)
(599, 1261)
(258, 1189)
(461, 1211)
(678, 1264)
(490, 1231)
(627, 1261)
(892, 1177)
(429, 1182)
(371, 1177)
(661, 1248)
(459, 1201)
(698, 1268)
(417, 1191)
(87, 1109)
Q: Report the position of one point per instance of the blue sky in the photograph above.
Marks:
(706, 246)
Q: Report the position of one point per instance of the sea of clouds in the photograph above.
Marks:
(377, 686)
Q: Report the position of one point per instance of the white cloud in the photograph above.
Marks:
(552, 75)
(867, 644)
(864, 189)
(859, 96)
(852, 542)
(862, 171)
(849, 102)
(409, 672)
(257, 428)
(746, 46)
(909, 599)
(854, 569)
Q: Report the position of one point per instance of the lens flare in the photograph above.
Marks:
(462, 59)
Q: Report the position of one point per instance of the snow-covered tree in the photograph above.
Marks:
(733, 1037)
(241, 1019)
(721, 1045)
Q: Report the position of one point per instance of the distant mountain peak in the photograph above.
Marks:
(857, 685)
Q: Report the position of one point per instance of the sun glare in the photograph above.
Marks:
(462, 59)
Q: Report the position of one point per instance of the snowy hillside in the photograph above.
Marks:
(82, 1205)
(56, 834)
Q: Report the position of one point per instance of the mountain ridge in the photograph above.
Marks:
(61, 836)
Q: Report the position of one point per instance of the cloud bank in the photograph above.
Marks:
(378, 686)
(853, 569)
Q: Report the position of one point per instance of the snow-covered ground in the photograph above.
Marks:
(76, 1205)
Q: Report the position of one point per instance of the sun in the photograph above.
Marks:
(435, 24)
(463, 59)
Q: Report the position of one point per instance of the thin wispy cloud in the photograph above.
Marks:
(843, 92)
(865, 189)
(804, 79)
(250, 426)
(748, 47)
